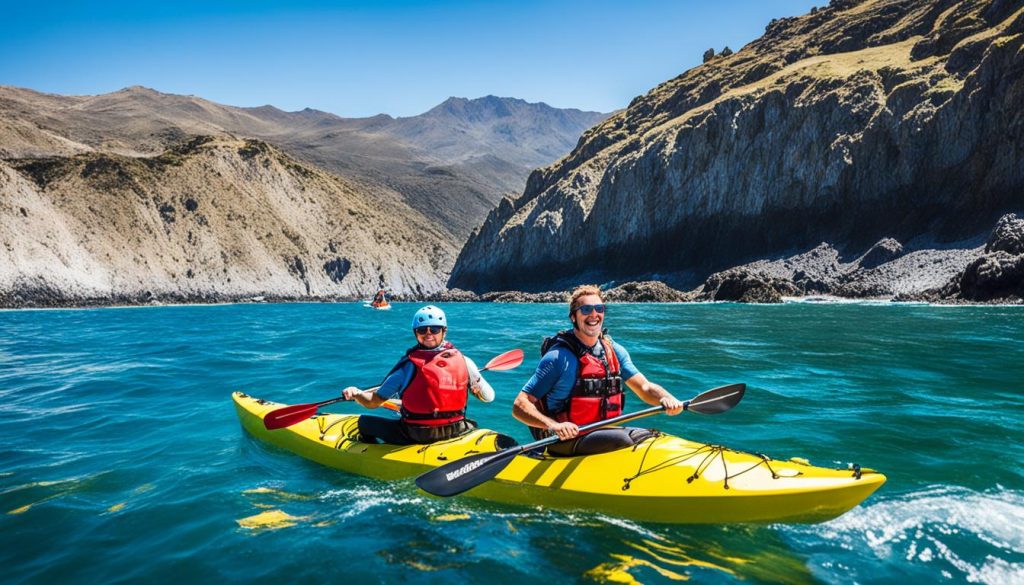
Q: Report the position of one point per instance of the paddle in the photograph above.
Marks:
(290, 415)
(463, 474)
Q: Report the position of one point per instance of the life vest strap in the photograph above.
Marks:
(598, 386)
(433, 415)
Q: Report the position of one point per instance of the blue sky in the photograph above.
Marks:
(364, 58)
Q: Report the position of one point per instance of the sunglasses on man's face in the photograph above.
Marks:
(435, 329)
(588, 309)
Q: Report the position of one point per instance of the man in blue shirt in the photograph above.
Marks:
(579, 381)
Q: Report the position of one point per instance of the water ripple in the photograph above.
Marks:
(120, 443)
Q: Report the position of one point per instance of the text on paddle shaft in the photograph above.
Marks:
(464, 469)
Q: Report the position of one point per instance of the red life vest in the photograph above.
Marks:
(597, 393)
(439, 388)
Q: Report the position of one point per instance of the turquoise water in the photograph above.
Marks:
(121, 457)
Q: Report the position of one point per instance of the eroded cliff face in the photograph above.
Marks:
(212, 218)
(858, 122)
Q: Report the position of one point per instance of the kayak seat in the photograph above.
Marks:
(504, 441)
(600, 441)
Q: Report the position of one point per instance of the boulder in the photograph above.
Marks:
(886, 250)
(744, 286)
(994, 276)
(650, 291)
(452, 295)
(515, 296)
(1008, 235)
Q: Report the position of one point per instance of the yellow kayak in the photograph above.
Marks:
(663, 479)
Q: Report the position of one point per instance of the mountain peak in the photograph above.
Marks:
(139, 89)
(485, 100)
(487, 107)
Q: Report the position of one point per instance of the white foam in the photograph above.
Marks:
(832, 300)
(364, 498)
(881, 302)
(930, 523)
(631, 526)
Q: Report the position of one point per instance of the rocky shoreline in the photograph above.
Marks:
(988, 272)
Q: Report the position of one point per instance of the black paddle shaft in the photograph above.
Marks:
(463, 474)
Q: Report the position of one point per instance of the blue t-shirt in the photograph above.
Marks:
(397, 381)
(556, 374)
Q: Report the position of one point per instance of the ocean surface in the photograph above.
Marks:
(122, 460)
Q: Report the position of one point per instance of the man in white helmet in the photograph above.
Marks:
(433, 380)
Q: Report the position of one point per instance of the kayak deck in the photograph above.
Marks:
(662, 479)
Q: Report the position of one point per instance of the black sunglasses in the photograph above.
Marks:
(588, 309)
(435, 329)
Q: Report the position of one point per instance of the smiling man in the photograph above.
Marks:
(579, 380)
(433, 380)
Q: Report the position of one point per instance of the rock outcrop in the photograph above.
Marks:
(450, 296)
(515, 296)
(998, 274)
(629, 292)
(1008, 235)
(886, 270)
(883, 252)
(746, 286)
(651, 291)
(855, 123)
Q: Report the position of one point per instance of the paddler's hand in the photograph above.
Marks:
(672, 405)
(350, 393)
(565, 430)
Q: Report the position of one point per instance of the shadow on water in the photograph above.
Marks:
(710, 554)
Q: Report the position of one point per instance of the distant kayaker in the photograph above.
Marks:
(433, 380)
(579, 380)
(380, 299)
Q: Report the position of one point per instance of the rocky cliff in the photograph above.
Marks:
(852, 124)
(211, 218)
